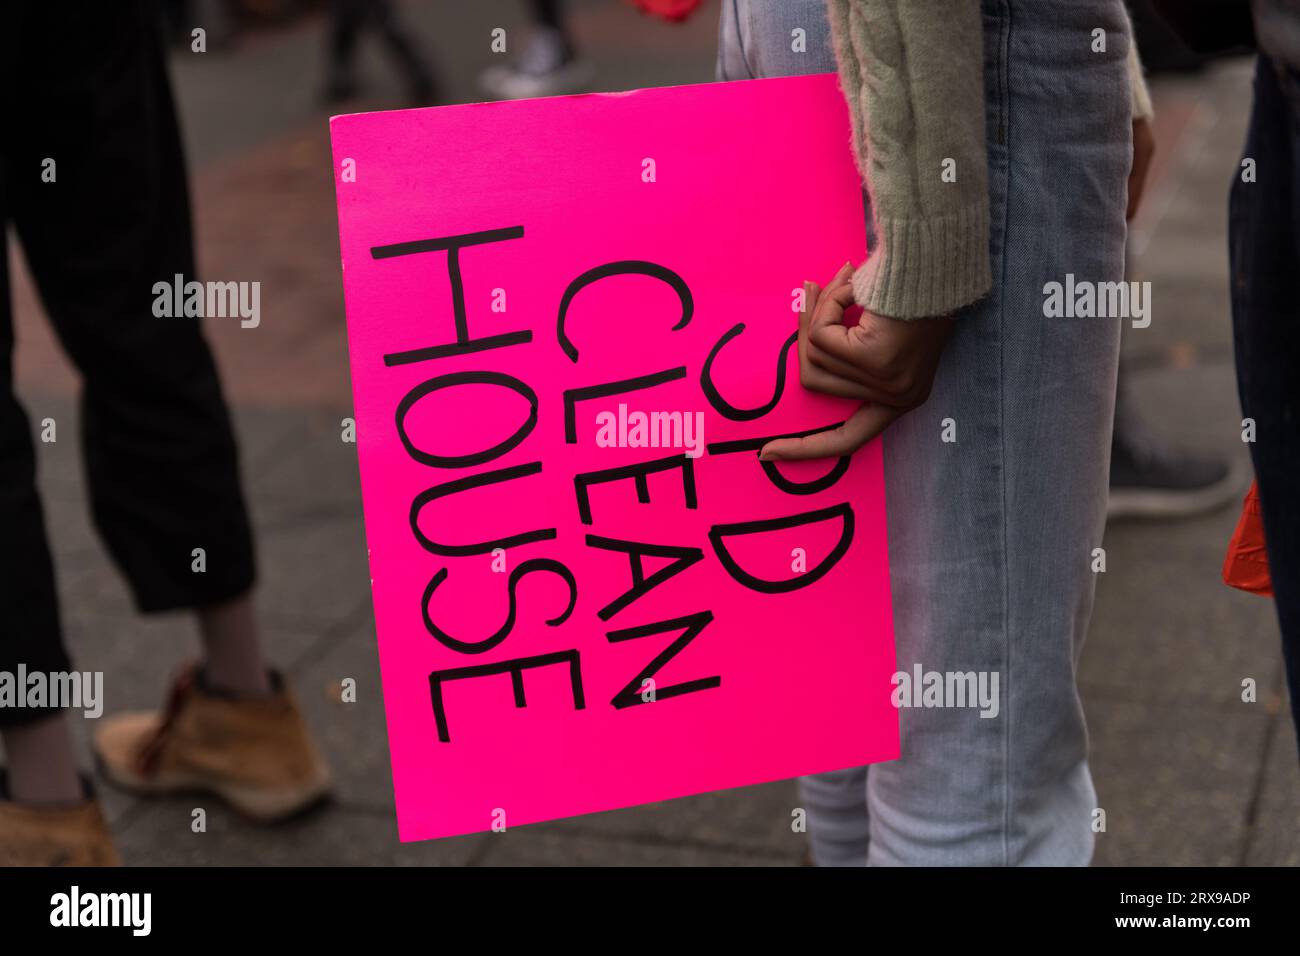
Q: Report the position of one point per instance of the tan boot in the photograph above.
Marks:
(253, 752)
(55, 836)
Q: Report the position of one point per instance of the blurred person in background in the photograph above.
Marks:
(100, 227)
(1264, 256)
(547, 66)
(351, 18)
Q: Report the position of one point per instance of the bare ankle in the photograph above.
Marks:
(42, 766)
(237, 681)
(232, 650)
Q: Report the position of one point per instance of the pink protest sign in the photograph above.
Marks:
(571, 325)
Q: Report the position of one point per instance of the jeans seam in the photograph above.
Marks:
(1004, 44)
(1004, 68)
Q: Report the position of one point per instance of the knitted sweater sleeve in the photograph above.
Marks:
(912, 72)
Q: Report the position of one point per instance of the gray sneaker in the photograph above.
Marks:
(546, 67)
(1148, 479)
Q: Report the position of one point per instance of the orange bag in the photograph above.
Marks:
(1246, 564)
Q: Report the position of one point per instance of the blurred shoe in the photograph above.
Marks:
(1151, 480)
(54, 836)
(255, 753)
(547, 67)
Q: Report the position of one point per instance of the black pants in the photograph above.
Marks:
(92, 95)
(1265, 253)
(352, 16)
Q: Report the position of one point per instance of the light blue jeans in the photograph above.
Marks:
(991, 537)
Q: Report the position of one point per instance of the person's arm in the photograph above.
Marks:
(912, 72)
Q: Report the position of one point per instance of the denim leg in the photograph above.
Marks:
(763, 38)
(990, 537)
(838, 826)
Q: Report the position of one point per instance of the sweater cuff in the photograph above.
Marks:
(926, 267)
(1142, 108)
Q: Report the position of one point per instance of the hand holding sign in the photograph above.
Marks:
(888, 364)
